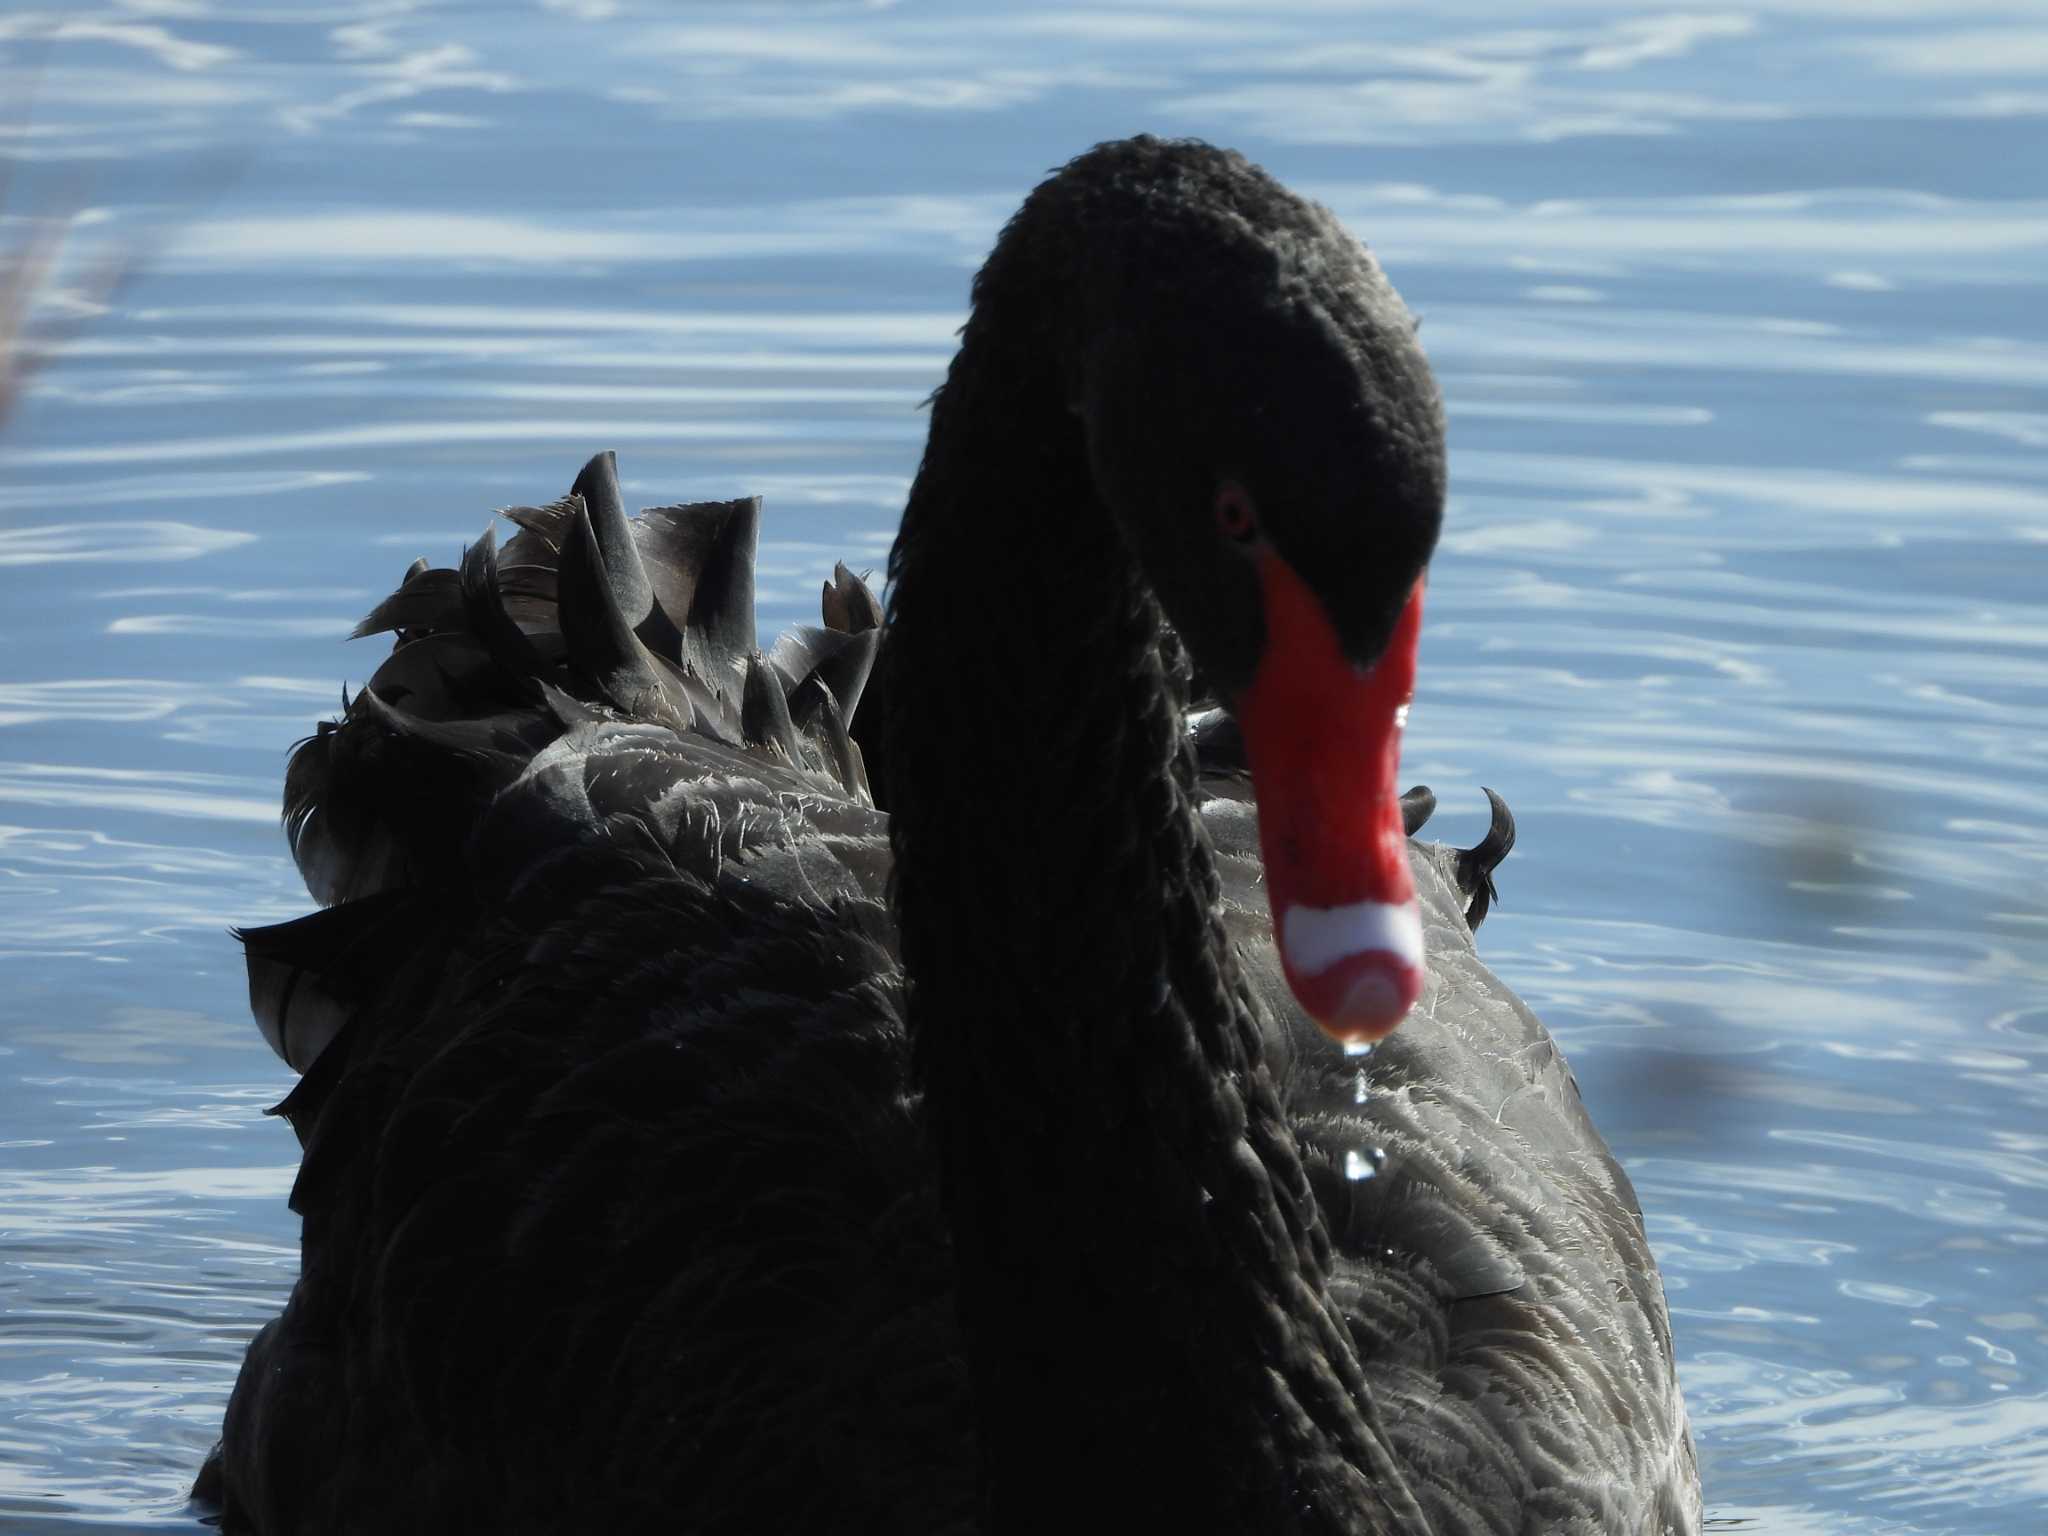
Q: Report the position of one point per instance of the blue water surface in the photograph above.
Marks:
(1740, 313)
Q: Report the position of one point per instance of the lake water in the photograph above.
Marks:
(1744, 601)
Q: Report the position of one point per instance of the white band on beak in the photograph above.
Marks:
(1312, 939)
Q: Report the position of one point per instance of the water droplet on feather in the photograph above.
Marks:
(1361, 1163)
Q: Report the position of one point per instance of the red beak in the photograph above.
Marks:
(1324, 739)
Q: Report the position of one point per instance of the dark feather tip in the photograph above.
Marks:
(598, 486)
(1417, 806)
(764, 711)
(1475, 865)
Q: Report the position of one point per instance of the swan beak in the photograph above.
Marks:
(1324, 739)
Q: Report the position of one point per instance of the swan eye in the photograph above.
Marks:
(1234, 513)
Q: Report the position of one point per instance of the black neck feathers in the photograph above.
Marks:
(1142, 1262)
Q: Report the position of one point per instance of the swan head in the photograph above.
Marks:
(1263, 426)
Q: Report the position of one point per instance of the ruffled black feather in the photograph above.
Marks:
(567, 626)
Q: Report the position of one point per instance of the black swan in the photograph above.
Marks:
(695, 1140)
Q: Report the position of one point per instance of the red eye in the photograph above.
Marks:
(1234, 514)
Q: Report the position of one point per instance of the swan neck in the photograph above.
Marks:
(1142, 1265)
